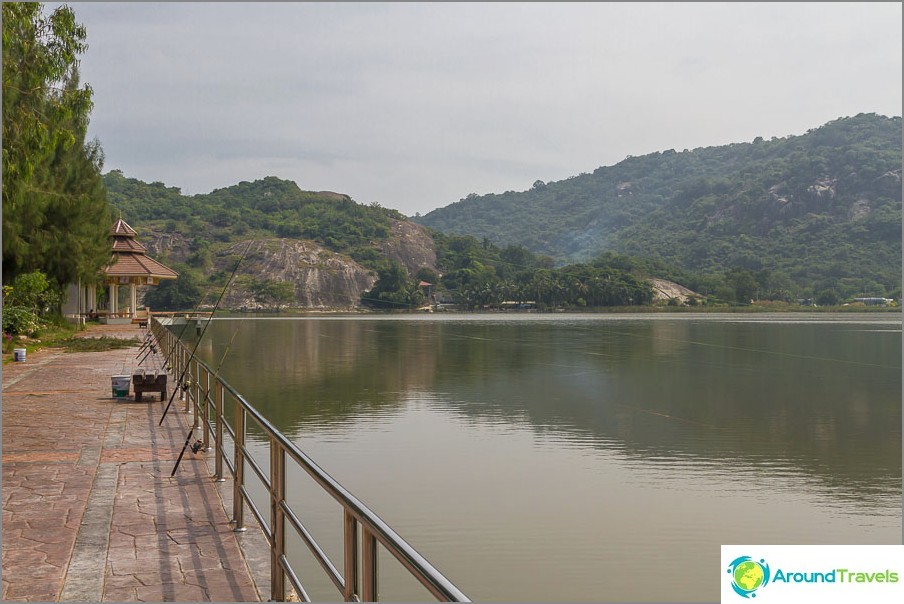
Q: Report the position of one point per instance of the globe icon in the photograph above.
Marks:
(748, 575)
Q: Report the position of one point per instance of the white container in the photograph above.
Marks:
(120, 385)
(19, 354)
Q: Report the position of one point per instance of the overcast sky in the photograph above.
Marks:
(416, 105)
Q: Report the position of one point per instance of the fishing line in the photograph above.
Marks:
(196, 446)
(206, 326)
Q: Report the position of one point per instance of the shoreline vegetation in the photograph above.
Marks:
(756, 308)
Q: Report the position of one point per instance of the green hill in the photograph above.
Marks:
(270, 207)
(816, 211)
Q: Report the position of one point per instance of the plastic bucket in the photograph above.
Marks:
(120, 385)
(19, 354)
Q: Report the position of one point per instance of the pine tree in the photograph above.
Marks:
(55, 215)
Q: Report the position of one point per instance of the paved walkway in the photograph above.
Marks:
(90, 512)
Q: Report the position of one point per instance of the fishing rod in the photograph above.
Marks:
(201, 337)
(168, 355)
(196, 446)
(149, 340)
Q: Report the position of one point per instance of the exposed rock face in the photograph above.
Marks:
(664, 290)
(322, 279)
(173, 247)
(411, 245)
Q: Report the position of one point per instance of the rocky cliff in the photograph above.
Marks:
(411, 245)
(322, 279)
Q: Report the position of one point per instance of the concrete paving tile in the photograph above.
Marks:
(168, 566)
(159, 526)
(137, 529)
(121, 594)
(223, 587)
(173, 592)
(24, 556)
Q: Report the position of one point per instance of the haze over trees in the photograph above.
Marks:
(806, 215)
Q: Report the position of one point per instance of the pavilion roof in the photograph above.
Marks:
(138, 265)
(122, 229)
(130, 257)
(123, 244)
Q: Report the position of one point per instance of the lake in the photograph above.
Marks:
(582, 457)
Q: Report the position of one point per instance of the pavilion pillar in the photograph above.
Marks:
(114, 298)
(83, 300)
(134, 298)
(92, 297)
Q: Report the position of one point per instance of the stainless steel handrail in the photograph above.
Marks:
(359, 579)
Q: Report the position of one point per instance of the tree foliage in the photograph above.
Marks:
(27, 302)
(55, 215)
(179, 294)
(272, 293)
(481, 275)
(268, 207)
(394, 289)
(823, 205)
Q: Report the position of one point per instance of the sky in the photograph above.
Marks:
(416, 105)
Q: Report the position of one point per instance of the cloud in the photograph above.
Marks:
(418, 104)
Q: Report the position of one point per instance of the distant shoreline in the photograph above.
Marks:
(646, 310)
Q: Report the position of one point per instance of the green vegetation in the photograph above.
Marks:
(270, 207)
(28, 302)
(55, 214)
(480, 275)
(179, 294)
(804, 216)
(101, 344)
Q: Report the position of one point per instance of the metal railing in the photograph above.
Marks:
(208, 392)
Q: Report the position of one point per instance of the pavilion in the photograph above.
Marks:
(129, 266)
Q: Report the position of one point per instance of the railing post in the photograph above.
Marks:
(180, 375)
(351, 557)
(238, 504)
(205, 409)
(219, 395)
(368, 566)
(194, 371)
(277, 521)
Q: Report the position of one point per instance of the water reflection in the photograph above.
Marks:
(825, 397)
(795, 419)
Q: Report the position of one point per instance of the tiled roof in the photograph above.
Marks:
(138, 265)
(123, 244)
(130, 258)
(122, 229)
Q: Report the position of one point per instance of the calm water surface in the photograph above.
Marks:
(582, 457)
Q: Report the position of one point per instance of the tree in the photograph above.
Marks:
(744, 284)
(55, 215)
(272, 292)
(180, 294)
(394, 289)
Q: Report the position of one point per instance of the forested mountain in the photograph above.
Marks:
(323, 250)
(816, 211)
(305, 248)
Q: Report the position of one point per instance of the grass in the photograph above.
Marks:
(95, 344)
(63, 336)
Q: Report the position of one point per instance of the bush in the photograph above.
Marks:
(32, 290)
(19, 320)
